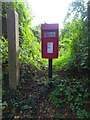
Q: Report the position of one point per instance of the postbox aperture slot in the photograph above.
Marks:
(49, 34)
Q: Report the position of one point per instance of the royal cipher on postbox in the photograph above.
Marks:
(49, 40)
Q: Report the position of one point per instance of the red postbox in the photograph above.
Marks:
(49, 38)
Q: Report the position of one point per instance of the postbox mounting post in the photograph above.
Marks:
(50, 69)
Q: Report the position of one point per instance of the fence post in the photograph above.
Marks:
(13, 48)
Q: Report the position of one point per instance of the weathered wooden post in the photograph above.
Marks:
(13, 48)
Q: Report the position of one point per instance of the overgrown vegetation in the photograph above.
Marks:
(70, 84)
(71, 97)
(73, 94)
(29, 43)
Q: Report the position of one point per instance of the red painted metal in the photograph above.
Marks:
(49, 40)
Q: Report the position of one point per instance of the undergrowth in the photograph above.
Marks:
(71, 95)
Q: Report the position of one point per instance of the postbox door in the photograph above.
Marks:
(49, 48)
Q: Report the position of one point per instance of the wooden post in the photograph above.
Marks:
(13, 48)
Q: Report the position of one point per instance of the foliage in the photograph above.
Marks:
(29, 50)
(14, 101)
(73, 45)
(57, 116)
(4, 49)
(77, 10)
(72, 93)
(37, 32)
